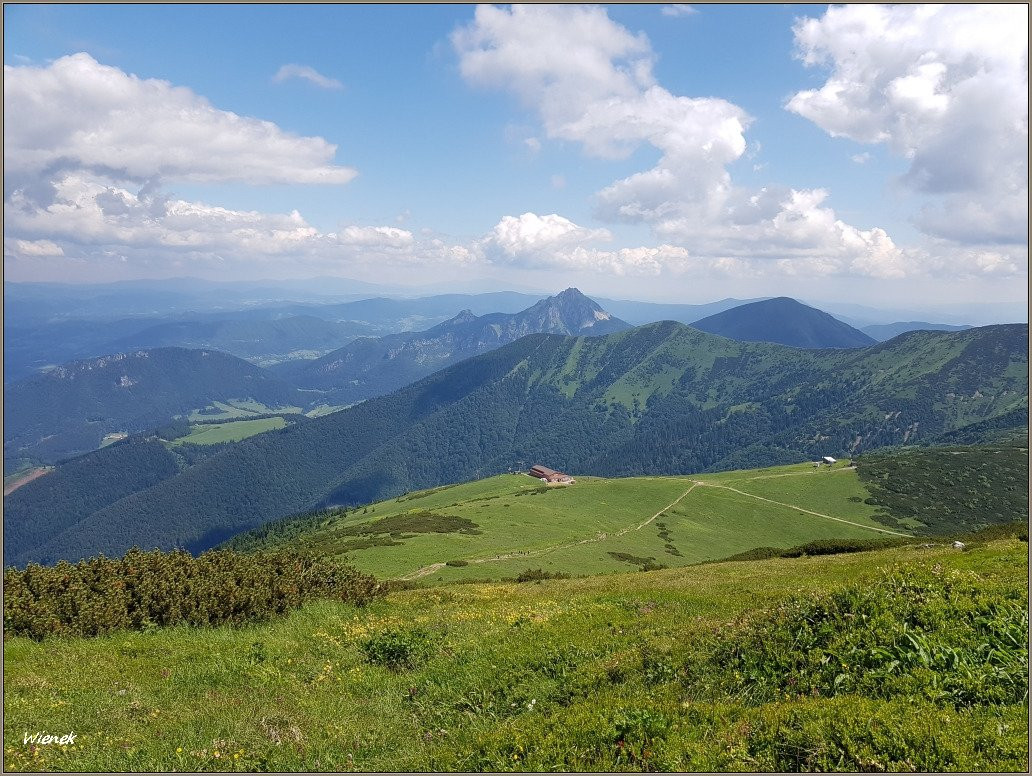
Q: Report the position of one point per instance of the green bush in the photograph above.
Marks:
(457, 563)
(399, 649)
(534, 575)
(838, 546)
(143, 590)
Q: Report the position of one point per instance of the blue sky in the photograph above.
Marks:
(666, 152)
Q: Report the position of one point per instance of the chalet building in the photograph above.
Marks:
(545, 474)
(828, 460)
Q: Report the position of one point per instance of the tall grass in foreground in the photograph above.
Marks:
(904, 659)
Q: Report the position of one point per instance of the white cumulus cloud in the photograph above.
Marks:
(376, 236)
(36, 248)
(945, 87)
(536, 240)
(591, 81)
(76, 114)
(898, 77)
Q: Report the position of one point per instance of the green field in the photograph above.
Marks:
(235, 408)
(496, 527)
(233, 431)
(719, 667)
(325, 409)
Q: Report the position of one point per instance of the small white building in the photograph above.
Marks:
(828, 460)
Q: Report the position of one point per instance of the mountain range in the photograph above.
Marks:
(658, 399)
(886, 331)
(248, 338)
(373, 366)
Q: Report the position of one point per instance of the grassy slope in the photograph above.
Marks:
(233, 431)
(533, 677)
(574, 529)
(234, 409)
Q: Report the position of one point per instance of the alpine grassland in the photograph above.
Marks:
(913, 658)
(231, 431)
(497, 527)
(234, 409)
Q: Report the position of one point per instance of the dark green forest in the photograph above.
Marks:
(950, 489)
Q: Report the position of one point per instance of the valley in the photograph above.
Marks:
(661, 399)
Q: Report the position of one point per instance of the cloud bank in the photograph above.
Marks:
(944, 87)
(591, 81)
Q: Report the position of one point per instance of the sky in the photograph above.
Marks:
(862, 153)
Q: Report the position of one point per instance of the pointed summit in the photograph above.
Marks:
(570, 312)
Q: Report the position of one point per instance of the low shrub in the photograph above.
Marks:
(399, 650)
(534, 575)
(143, 590)
(457, 563)
(838, 546)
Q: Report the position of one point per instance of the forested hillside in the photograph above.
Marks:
(659, 399)
(81, 486)
(69, 409)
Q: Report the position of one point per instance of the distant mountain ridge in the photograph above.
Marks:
(658, 399)
(370, 367)
(784, 321)
(640, 313)
(886, 331)
(247, 338)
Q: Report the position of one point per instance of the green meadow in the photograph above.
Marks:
(912, 658)
(234, 409)
(232, 431)
(496, 527)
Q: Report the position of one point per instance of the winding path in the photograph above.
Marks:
(601, 537)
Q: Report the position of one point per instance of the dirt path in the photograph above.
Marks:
(29, 477)
(423, 572)
(799, 474)
(801, 509)
(664, 509)
(600, 537)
